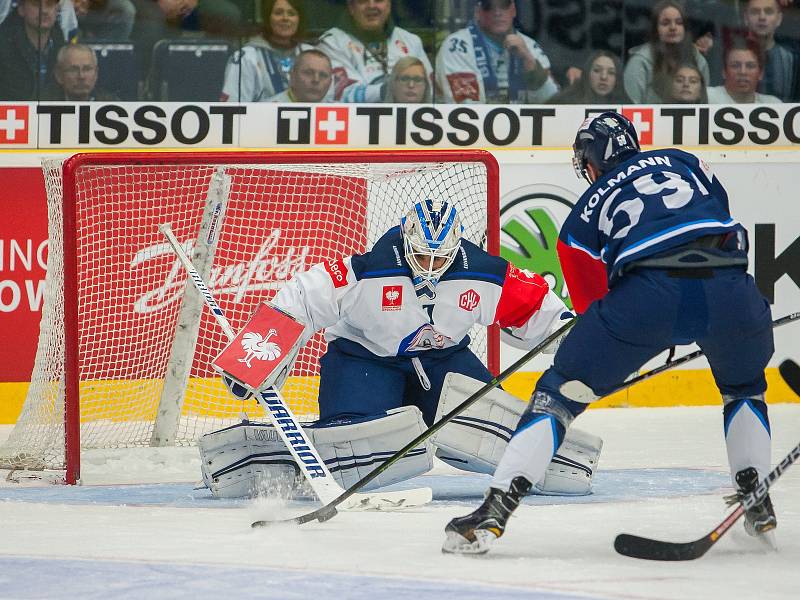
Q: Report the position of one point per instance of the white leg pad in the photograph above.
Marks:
(246, 459)
(352, 450)
(477, 438)
(250, 458)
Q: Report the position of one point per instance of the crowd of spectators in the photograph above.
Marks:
(484, 51)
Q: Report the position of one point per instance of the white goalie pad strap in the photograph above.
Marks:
(244, 460)
(353, 449)
(476, 439)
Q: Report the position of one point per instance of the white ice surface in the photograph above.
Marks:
(662, 474)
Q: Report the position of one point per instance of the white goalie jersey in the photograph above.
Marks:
(370, 299)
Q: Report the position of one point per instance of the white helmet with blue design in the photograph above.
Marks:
(431, 231)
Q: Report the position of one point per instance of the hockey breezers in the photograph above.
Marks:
(304, 453)
(650, 549)
(329, 510)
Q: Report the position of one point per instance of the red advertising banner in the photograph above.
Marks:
(23, 259)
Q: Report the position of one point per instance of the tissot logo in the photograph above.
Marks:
(642, 119)
(13, 124)
(331, 125)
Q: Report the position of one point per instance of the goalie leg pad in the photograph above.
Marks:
(352, 449)
(476, 439)
(245, 460)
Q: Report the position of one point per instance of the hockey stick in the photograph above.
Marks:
(329, 510)
(650, 549)
(303, 451)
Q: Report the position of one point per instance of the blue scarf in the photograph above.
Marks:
(481, 44)
(275, 70)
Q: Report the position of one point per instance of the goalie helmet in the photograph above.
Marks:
(604, 142)
(431, 231)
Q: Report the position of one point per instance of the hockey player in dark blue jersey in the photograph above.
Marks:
(652, 258)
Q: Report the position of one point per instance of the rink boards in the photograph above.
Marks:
(537, 189)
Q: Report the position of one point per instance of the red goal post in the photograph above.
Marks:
(125, 349)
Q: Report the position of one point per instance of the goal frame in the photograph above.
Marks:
(73, 164)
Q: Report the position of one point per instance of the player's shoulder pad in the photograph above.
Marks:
(385, 259)
(475, 263)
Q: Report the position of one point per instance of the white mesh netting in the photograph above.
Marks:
(279, 219)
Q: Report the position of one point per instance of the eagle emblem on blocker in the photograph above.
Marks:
(259, 347)
(252, 357)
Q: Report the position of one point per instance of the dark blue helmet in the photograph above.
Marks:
(604, 141)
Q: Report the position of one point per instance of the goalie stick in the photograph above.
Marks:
(329, 510)
(310, 462)
(650, 549)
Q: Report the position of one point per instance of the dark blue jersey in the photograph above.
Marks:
(653, 202)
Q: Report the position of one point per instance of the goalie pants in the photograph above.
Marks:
(356, 383)
(646, 312)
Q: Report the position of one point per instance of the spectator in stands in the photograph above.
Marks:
(782, 67)
(600, 83)
(106, 20)
(76, 76)
(261, 69)
(29, 41)
(408, 82)
(687, 87)
(744, 68)
(490, 61)
(309, 80)
(658, 59)
(364, 49)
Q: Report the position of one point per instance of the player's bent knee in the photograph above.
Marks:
(251, 459)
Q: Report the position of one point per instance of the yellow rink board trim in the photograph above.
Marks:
(678, 388)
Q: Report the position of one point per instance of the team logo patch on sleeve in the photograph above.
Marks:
(392, 297)
(469, 300)
(338, 272)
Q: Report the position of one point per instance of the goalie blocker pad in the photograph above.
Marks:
(476, 439)
(250, 459)
(262, 353)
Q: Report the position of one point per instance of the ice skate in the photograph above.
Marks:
(476, 532)
(761, 518)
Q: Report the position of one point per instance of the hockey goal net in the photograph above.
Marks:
(125, 344)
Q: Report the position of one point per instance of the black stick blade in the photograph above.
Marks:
(790, 371)
(649, 549)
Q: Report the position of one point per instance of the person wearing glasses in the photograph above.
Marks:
(76, 76)
(309, 79)
(408, 83)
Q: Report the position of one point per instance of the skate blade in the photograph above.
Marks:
(455, 543)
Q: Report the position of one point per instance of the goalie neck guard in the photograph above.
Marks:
(431, 238)
(604, 142)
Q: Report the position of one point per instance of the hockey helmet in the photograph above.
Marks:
(431, 231)
(604, 142)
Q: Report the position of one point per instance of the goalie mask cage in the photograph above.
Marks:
(125, 343)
